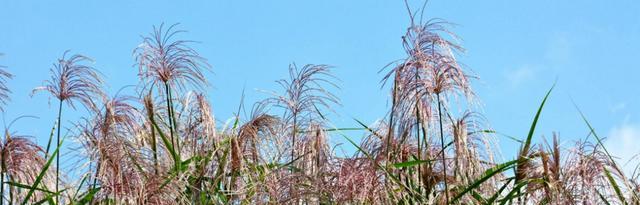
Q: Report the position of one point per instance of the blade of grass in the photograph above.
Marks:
(24, 186)
(53, 131)
(88, 197)
(411, 163)
(527, 143)
(615, 186)
(514, 193)
(604, 200)
(497, 194)
(174, 173)
(486, 176)
(84, 179)
(168, 145)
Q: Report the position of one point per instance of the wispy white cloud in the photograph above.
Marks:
(558, 49)
(623, 141)
(618, 107)
(558, 52)
(520, 75)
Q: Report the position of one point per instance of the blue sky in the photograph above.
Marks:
(517, 48)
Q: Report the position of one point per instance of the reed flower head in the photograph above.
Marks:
(433, 56)
(4, 90)
(117, 159)
(22, 160)
(199, 128)
(316, 148)
(473, 149)
(256, 130)
(305, 94)
(430, 68)
(585, 174)
(73, 80)
(163, 60)
(359, 181)
(304, 99)
(120, 116)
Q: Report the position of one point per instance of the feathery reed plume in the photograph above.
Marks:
(359, 182)
(317, 146)
(423, 81)
(304, 99)
(207, 121)
(304, 96)
(551, 167)
(317, 165)
(4, 90)
(106, 138)
(119, 116)
(251, 132)
(198, 125)
(473, 149)
(164, 61)
(359, 178)
(586, 175)
(22, 160)
(246, 153)
(72, 80)
(150, 108)
(169, 64)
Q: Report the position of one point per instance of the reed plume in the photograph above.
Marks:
(423, 82)
(163, 61)
(4, 90)
(304, 96)
(107, 140)
(472, 147)
(169, 64)
(72, 80)
(22, 160)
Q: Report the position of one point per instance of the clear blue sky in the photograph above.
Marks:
(517, 48)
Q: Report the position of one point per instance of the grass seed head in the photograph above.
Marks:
(73, 80)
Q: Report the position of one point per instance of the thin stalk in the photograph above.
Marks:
(418, 125)
(393, 108)
(293, 139)
(155, 150)
(426, 151)
(169, 109)
(444, 162)
(95, 177)
(174, 121)
(293, 152)
(10, 179)
(172, 127)
(58, 153)
(390, 130)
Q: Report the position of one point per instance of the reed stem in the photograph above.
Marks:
(444, 162)
(58, 153)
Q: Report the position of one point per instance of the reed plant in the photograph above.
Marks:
(162, 143)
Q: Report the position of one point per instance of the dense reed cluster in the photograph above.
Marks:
(161, 145)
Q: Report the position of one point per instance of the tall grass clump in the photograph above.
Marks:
(160, 142)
